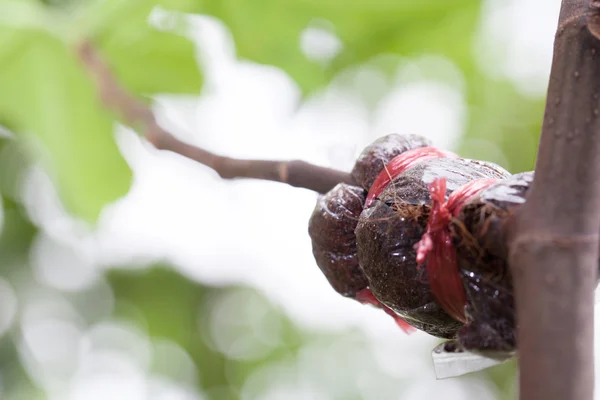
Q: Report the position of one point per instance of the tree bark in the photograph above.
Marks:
(553, 238)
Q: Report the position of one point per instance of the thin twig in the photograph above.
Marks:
(138, 115)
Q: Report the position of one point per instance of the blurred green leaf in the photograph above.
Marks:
(168, 300)
(16, 237)
(501, 116)
(269, 31)
(153, 62)
(170, 304)
(504, 376)
(146, 60)
(17, 385)
(189, 6)
(172, 307)
(45, 94)
(13, 167)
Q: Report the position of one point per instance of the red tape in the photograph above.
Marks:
(436, 249)
(365, 296)
(401, 163)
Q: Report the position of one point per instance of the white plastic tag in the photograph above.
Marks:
(457, 363)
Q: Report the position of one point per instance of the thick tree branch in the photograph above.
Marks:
(553, 240)
(138, 115)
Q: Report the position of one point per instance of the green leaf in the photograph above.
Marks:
(174, 307)
(170, 304)
(504, 377)
(45, 94)
(153, 62)
(269, 31)
(503, 120)
(188, 6)
(14, 164)
(146, 60)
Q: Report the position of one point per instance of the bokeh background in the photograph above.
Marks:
(130, 273)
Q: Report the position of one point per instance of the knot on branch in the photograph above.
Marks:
(538, 241)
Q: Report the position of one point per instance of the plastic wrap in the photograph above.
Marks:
(378, 154)
(484, 270)
(390, 228)
(400, 164)
(331, 228)
(368, 253)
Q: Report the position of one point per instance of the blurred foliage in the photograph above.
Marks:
(44, 92)
(173, 307)
(366, 28)
(47, 98)
(504, 377)
(146, 60)
(500, 115)
(15, 240)
(50, 104)
(168, 305)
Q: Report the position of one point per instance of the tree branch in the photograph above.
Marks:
(138, 115)
(553, 237)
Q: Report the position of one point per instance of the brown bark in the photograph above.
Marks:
(553, 238)
(138, 115)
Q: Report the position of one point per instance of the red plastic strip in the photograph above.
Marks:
(365, 296)
(401, 163)
(436, 248)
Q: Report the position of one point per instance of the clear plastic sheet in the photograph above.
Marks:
(331, 228)
(372, 249)
(489, 338)
(378, 154)
(390, 228)
(483, 265)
